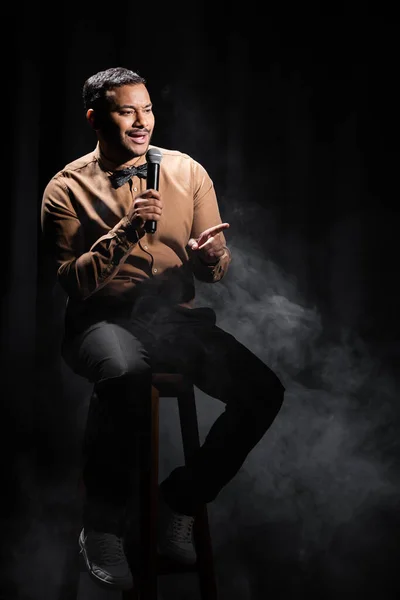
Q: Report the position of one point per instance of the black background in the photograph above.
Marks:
(294, 113)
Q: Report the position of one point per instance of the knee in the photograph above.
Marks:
(278, 394)
(119, 367)
(270, 393)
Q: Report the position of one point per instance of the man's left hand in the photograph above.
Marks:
(209, 244)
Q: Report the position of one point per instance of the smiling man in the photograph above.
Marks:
(131, 308)
(123, 139)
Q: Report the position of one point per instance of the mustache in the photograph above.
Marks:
(140, 130)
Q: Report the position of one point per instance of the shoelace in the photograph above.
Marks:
(110, 547)
(182, 526)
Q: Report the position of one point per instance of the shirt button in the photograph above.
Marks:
(135, 189)
(154, 270)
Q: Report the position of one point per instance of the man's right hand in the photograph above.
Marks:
(147, 206)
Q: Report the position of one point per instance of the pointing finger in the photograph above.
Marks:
(215, 229)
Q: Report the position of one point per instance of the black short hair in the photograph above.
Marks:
(96, 86)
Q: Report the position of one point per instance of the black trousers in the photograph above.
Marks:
(118, 355)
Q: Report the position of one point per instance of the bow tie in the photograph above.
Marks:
(120, 177)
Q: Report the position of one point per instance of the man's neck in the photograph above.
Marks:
(113, 162)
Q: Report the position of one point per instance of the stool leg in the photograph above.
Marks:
(205, 560)
(191, 443)
(149, 502)
(72, 565)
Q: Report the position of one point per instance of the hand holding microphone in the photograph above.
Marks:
(154, 158)
(147, 207)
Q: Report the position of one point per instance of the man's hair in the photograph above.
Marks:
(95, 88)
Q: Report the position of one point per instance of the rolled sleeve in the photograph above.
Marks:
(81, 271)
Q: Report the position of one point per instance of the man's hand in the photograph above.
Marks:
(209, 244)
(147, 206)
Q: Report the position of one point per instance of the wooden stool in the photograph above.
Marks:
(166, 385)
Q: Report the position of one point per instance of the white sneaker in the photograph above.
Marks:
(175, 534)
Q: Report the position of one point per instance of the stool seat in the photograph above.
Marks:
(169, 385)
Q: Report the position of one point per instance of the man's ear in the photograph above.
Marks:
(93, 119)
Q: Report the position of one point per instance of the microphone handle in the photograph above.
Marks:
(153, 178)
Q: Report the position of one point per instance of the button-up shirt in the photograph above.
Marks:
(95, 247)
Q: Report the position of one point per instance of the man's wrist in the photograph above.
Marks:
(134, 229)
(216, 261)
(208, 263)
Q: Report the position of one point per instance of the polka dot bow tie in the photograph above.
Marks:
(120, 177)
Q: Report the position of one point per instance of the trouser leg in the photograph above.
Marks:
(223, 368)
(115, 361)
(230, 439)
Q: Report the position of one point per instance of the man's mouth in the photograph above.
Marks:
(138, 138)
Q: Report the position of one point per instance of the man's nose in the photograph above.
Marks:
(140, 120)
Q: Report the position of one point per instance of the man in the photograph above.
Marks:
(131, 307)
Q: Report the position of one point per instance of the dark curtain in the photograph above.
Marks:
(295, 116)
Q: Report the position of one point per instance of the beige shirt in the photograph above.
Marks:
(85, 227)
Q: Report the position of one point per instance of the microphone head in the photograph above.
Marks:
(154, 155)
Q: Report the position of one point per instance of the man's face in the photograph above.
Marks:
(126, 128)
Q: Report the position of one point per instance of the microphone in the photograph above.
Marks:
(153, 157)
